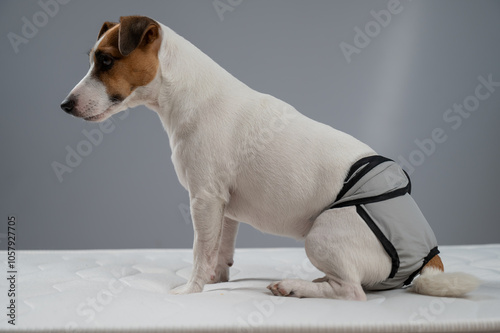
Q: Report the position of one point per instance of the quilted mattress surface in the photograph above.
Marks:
(127, 291)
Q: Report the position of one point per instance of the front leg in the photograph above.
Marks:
(207, 213)
(226, 250)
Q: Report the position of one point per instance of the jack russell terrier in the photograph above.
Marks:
(250, 157)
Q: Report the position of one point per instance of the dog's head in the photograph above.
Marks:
(124, 58)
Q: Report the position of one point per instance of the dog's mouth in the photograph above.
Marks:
(103, 115)
(98, 117)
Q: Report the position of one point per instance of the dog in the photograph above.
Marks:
(245, 156)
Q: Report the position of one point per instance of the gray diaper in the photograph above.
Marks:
(380, 191)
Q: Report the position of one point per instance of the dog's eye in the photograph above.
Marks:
(106, 61)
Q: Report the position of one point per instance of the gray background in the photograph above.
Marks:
(125, 193)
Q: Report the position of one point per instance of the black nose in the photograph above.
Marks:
(68, 104)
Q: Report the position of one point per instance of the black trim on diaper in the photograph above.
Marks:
(355, 174)
(366, 160)
(358, 171)
(409, 181)
(433, 252)
(389, 248)
(376, 198)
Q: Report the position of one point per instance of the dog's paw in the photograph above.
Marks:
(188, 288)
(221, 274)
(284, 288)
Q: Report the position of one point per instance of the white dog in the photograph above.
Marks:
(250, 157)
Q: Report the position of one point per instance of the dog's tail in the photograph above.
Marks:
(434, 282)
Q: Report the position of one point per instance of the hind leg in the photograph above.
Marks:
(322, 279)
(325, 289)
(341, 245)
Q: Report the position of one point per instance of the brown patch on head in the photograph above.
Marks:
(436, 263)
(127, 56)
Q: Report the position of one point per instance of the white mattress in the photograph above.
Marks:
(127, 291)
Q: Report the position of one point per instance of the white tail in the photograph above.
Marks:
(434, 282)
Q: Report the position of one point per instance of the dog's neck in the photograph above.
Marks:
(189, 85)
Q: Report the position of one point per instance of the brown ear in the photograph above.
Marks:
(135, 31)
(105, 27)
